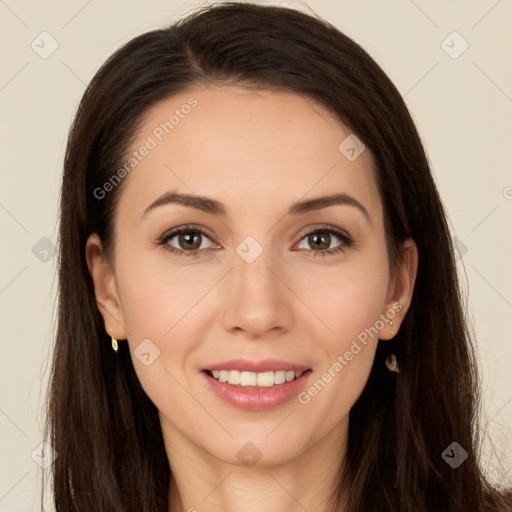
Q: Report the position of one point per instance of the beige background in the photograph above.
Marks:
(462, 106)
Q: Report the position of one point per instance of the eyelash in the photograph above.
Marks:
(346, 241)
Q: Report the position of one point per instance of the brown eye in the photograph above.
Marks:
(186, 240)
(319, 241)
(189, 241)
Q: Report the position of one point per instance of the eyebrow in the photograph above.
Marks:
(215, 207)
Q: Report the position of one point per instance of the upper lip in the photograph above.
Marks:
(266, 365)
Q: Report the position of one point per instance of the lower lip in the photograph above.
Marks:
(257, 398)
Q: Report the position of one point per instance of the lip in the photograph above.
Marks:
(253, 398)
(266, 365)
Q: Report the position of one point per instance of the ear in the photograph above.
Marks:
(105, 289)
(400, 290)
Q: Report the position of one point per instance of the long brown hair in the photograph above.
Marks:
(105, 429)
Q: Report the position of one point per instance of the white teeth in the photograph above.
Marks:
(264, 379)
(248, 378)
(280, 377)
(234, 377)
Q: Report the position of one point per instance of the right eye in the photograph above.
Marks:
(189, 241)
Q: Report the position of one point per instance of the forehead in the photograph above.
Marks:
(247, 147)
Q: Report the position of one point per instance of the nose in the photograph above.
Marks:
(257, 301)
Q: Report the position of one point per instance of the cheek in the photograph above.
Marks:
(158, 305)
(358, 303)
(156, 295)
(349, 303)
(347, 298)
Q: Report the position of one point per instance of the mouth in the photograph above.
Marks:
(246, 379)
(251, 386)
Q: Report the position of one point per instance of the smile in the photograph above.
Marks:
(246, 379)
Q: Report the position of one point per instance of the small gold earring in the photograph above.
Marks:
(392, 332)
(115, 346)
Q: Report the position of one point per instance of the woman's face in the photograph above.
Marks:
(280, 281)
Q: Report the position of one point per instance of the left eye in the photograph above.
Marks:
(321, 240)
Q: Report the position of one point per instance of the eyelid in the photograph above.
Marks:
(323, 227)
(171, 233)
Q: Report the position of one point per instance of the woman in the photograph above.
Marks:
(259, 307)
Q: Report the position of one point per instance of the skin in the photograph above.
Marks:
(257, 153)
